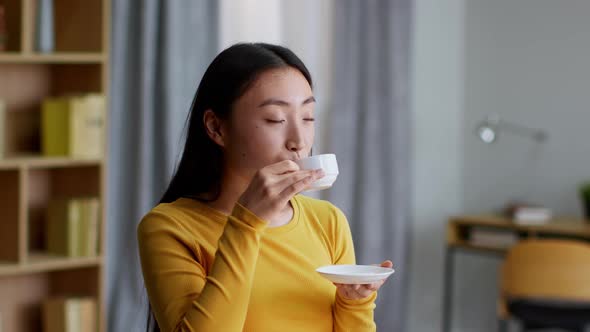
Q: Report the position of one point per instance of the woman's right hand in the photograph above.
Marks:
(273, 186)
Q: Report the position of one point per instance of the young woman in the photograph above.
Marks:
(232, 246)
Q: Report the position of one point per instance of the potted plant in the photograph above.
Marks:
(585, 196)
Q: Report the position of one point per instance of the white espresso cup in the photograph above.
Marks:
(328, 163)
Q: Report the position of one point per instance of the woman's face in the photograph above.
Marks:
(271, 122)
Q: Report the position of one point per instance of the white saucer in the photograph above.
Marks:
(354, 274)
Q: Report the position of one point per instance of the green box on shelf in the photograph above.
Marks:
(585, 196)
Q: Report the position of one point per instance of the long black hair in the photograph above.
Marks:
(227, 78)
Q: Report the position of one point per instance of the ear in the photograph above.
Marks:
(213, 127)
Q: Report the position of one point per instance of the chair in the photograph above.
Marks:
(545, 283)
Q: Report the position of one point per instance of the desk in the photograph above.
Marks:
(459, 230)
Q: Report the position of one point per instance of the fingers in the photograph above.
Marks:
(282, 167)
(374, 286)
(292, 178)
(298, 186)
(275, 184)
(363, 292)
(357, 291)
(286, 173)
(272, 186)
(295, 188)
(369, 287)
(387, 264)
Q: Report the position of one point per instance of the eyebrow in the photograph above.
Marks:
(278, 102)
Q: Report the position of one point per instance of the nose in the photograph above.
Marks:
(295, 138)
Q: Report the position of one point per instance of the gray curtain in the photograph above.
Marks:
(370, 131)
(159, 51)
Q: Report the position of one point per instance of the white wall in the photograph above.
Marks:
(438, 133)
(307, 30)
(249, 21)
(527, 60)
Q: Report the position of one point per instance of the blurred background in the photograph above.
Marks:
(460, 129)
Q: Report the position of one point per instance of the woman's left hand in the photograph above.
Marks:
(360, 291)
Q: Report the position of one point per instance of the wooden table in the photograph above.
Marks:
(460, 230)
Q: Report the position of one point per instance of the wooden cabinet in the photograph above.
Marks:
(28, 181)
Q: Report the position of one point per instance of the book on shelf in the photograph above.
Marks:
(3, 32)
(492, 238)
(73, 227)
(528, 214)
(44, 26)
(532, 216)
(2, 129)
(73, 126)
(70, 314)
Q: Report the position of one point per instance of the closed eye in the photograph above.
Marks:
(274, 121)
(309, 119)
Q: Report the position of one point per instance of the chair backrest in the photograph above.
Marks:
(547, 269)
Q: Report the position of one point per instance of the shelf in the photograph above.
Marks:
(558, 225)
(24, 293)
(42, 262)
(29, 181)
(44, 162)
(32, 58)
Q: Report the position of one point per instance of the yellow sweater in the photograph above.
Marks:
(205, 271)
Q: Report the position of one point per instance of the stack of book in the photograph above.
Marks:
(528, 214)
(492, 238)
(73, 227)
(73, 126)
(70, 314)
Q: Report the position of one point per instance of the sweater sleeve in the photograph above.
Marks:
(350, 315)
(183, 296)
